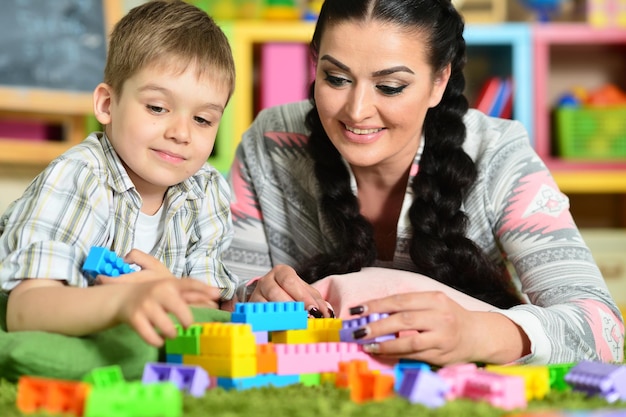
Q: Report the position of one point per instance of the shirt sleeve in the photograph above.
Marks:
(249, 253)
(571, 315)
(214, 230)
(47, 232)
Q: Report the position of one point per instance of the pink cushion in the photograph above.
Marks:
(349, 290)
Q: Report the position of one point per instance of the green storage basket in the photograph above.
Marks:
(591, 133)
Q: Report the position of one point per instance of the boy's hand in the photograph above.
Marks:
(145, 306)
(151, 269)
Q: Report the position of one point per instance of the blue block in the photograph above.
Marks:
(176, 358)
(407, 364)
(101, 261)
(258, 381)
(274, 316)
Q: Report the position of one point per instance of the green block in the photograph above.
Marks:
(310, 380)
(187, 342)
(105, 376)
(135, 399)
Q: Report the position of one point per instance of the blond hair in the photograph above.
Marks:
(170, 34)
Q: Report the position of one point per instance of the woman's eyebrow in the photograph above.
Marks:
(381, 73)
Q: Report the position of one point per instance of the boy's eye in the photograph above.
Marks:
(335, 81)
(202, 121)
(390, 91)
(155, 109)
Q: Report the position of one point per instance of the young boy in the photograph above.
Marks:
(141, 187)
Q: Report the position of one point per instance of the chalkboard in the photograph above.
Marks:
(52, 44)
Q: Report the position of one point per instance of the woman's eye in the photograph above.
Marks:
(390, 91)
(155, 109)
(336, 81)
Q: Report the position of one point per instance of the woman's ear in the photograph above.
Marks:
(102, 98)
(439, 85)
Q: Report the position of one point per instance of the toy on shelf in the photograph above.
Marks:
(544, 9)
(592, 124)
(606, 13)
(101, 261)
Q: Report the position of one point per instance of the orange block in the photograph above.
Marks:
(54, 396)
(349, 371)
(371, 386)
(266, 359)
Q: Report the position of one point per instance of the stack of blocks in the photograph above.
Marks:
(277, 344)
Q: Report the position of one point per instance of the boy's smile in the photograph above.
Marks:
(163, 125)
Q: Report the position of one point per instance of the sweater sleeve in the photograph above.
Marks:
(571, 315)
(249, 254)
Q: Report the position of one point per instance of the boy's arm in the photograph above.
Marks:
(49, 305)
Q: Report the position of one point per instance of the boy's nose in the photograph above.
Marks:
(178, 130)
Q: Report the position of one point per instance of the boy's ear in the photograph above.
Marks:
(102, 97)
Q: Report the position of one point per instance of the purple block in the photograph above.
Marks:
(192, 379)
(261, 337)
(597, 378)
(349, 326)
(424, 387)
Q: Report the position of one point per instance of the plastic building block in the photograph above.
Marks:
(317, 331)
(187, 341)
(368, 386)
(51, 395)
(261, 337)
(192, 379)
(271, 316)
(456, 376)
(349, 326)
(310, 380)
(224, 366)
(258, 381)
(502, 391)
(135, 399)
(352, 351)
(348, 372)
(536, 378)
(266, 359)
(230, 339)
(596, 378)
(307, 358)
(105, 376)
(101, 261)
(174, 358)
(405, 365)
(557, 373)
(425, 387)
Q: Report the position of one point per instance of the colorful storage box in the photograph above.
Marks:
(591, 133)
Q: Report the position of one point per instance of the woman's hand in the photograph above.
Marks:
(282, 284)
(145, 306)
(435, 329)
(151, 269)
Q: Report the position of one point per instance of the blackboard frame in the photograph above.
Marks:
(42, 100)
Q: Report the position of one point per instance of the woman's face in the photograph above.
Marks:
(373, 86)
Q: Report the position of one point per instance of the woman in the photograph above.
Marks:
(385, 166)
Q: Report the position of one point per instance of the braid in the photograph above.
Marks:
(439, 247)
(353, 235)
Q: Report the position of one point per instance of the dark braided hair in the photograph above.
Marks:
(439, 247)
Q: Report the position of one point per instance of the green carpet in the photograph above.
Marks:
(328, 401)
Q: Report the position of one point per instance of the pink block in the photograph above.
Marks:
(352, 351)
(307, 358)
(285, 73)
(503, 391)
(456, 376)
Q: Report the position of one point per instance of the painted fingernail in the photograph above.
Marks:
(332, 313)
(360, 333)
(371, 348)
(357, 310)
(315, 312)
